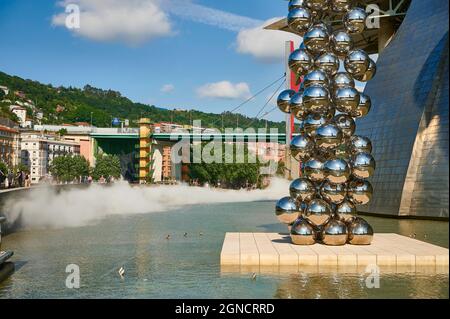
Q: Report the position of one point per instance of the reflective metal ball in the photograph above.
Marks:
(302, 232)
(364, 106)
(355, 20)
(317, 5)
(313, 122)
(369, 74)
(340, 6)
(342, 80)
(302, 190)
(360, 192)
(341, 43)
(337, 171)
(301, 62)
(360, 232)
(297, 107)
(335, 233)
(328, 62)
(357, 63)
(333, 193)
(363, 165)
(360, 144)
(299, 20)
(302, 147)
(313, 170)
(316, 40)
(287, 210)
(328, 136)
(316, 99)
(295, 4)
(346, 124)
(316, 77)
(346, 99)
(318, 212)
(284, 100)
(346, 211)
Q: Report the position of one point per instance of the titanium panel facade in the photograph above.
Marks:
(408, 124)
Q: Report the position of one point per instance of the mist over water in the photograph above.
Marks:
(44, 208)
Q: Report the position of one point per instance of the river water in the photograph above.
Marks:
(188, 266)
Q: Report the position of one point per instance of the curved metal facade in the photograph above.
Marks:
(408, 124)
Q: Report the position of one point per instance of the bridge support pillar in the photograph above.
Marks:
(145, 151)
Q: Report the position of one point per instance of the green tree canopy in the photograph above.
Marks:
(67, 168)
(107, 166)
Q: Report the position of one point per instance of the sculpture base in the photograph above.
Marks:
(273, 249)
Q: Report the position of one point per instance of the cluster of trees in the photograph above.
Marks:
(80, 104)
(71, 168)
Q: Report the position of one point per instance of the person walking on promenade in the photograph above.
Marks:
(20, 178)
(27, 181)
(10, 179)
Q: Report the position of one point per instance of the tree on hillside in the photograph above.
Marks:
(68, 168)
(107, 166)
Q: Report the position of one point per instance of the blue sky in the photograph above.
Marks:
(201, 54)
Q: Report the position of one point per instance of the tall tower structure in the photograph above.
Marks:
(145, 151)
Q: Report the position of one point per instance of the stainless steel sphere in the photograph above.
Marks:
(355, 20)
(360, 192)
(341, 43)
(369, 74)
(313, 170)
(299, 20)
(297, 107)
(360, 144)
(346, 124)
(301, 62)
(328, 136)
(364, 106)
(316, 99)
(316, 77)
(295, 4)
(287, 210)
(284, 100)
(342, 80)
(357, 63)
(302, 190)
(317, 40)
(313, 122)
(346, 211)
(363, 165)
(302, 147)
(335, 233)
(333, 193)
(337, 171)
(302, 232)
(346, 99)
(318, 212)
(360, 232)
(340, 6)
(318, 5)
(328, 62)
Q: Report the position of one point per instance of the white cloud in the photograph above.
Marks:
(131, 21)
(167, 88)
(265, 45)
(224, 90)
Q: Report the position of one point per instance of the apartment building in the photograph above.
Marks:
(9, 145)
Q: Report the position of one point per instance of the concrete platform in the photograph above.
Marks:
(269, 250)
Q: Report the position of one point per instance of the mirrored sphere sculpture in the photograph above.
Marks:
(364, 106)
(302, 190)
(287, 210)
(316, 99)
(337, 171)
(355, 20)
(328, 62)
(318, 212)
(360, 232)
(335, 233)
(328, 136)
(301, 62)
(346, 211)
(357, 63)
(295, 4)
(333, 193)
(360, 144)
(360, 192)
(342, 80)
(317, 5)
(369, 74)
(317, 40)
(340, 6)
(341, 43)
(313, 122)
(302, 232)
(313, 170)
(299, 20)
(316, 77)
(302, 147)
(297, 108)
(346, 124)
(346, 99)
(284, 100)
(363, 165)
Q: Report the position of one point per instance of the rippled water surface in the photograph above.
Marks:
(188, 267)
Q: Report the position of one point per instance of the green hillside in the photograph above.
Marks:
(71, 105)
